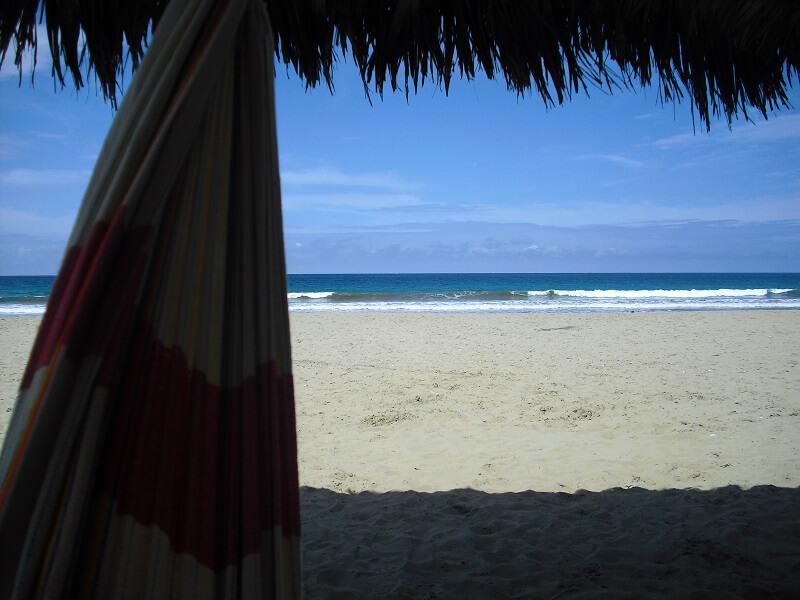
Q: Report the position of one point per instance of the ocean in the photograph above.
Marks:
(498, 292)
(24, 296)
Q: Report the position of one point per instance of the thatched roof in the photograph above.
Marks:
(727, 56)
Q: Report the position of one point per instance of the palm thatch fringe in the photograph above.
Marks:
(727, 56)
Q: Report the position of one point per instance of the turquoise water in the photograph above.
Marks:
(498, 292)
(544, 292)
(24, 295)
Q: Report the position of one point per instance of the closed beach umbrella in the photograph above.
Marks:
(152, 449)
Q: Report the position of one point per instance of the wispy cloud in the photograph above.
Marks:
(356, 229)
(617, 159)
(681, 139)
(355, 200)
(10, 145)
(723, 245)
(637, 209)
(31, 177)
(18, 222)
(328, 177)
(778, 128)
(44, 61)
(460, 208)
(49, 136)
(782, 127)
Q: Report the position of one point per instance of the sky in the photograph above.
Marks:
(479, 180)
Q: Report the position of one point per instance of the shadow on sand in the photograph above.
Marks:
(619, 543)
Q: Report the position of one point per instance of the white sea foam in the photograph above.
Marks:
(547, 301)
(542, 305)
(309, 295)
(533, 304)
(721, 293)
(21, 310)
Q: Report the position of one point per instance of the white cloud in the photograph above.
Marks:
(755, 208)
(782, 127)
(778, 128)
(50, 136)
(450, 246)
(617, 159)
(682, 139)
(18, 222)
(327, 176)
(358, 201)
(44, 62)
(455, 210)
(10, 144)
(30, 177)
(355, 229)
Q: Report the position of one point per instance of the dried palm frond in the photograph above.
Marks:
(726, 56)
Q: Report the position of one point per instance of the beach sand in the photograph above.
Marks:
(16, 338)
(622, 455)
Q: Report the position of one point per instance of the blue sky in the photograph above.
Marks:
(479, 180)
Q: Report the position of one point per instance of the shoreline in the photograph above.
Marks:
(300, 308)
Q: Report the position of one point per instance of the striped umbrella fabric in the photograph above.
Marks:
(152, 449)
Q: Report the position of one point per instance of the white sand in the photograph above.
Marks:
(509, 402)
(465, 438)
(16, 338)
(442, 456)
